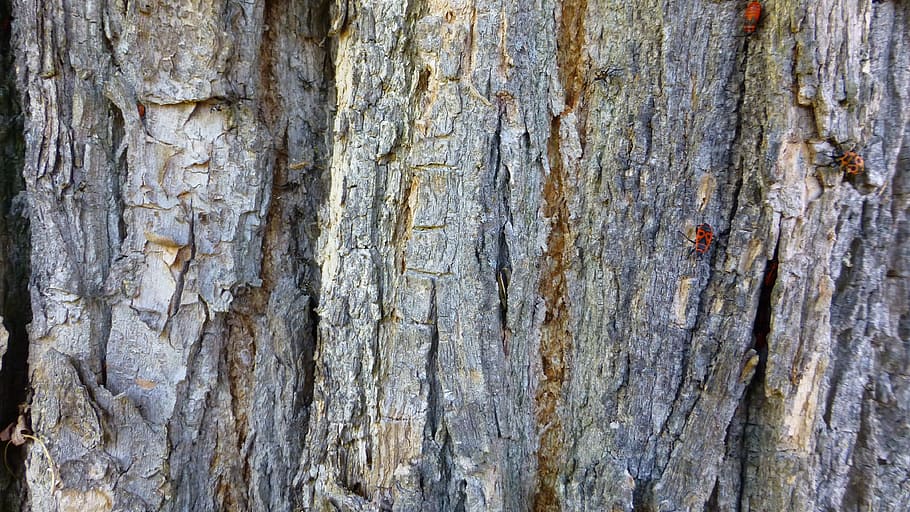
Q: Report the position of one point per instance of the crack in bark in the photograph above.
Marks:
(501, 184)
(751, 397)
(434, 407)
(15, 306)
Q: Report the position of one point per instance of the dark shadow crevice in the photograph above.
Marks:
(753, 394)
(762, 325)
(15, 307)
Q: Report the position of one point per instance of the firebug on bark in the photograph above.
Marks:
(704, 235)
(851, 163)
(751, 17)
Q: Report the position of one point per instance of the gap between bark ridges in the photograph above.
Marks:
(501, 185)
(15, 251)
(761, 328)
(434, 408)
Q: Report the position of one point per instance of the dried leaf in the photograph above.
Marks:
(15, 432)
(7, 433)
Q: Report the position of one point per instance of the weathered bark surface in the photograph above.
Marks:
(425, 255)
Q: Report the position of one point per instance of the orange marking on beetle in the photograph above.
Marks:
(704, 236)
(751, 17)
(852, 163)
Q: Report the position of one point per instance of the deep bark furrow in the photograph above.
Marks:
(15, 311)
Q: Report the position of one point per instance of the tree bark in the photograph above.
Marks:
(426, 255)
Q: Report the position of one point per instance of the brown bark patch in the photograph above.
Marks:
(556, 336)
(570, 49)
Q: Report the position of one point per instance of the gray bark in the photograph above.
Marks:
(426, 256)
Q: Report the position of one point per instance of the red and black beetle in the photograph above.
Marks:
(704, 235)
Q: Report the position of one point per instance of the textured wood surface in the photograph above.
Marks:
(426, 255)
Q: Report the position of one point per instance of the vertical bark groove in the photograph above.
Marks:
(15, 311)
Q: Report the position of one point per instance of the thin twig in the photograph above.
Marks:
(5, 464)
(50, 460)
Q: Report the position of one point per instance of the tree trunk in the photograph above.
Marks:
(426, 256)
